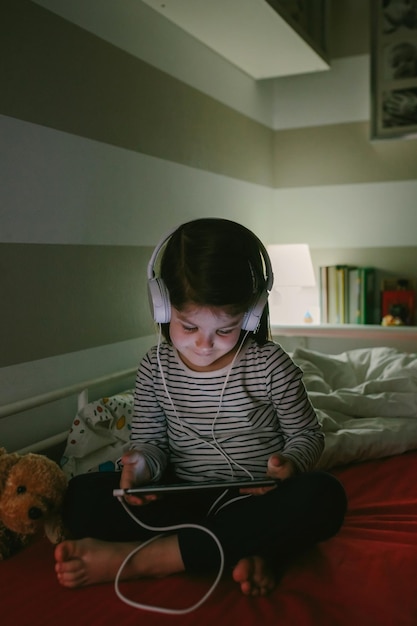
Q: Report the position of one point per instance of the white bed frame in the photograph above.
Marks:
(81, 390)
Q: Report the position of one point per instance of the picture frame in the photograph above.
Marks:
(393, 69)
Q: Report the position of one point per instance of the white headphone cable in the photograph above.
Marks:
(218, 446)
(230, 462)
(189, 431)
(160, 609)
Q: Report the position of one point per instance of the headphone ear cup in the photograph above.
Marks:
(253, 316)
(159, 300)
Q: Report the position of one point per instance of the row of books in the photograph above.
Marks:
(348, 295)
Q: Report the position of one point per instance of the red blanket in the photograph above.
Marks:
(365, 576)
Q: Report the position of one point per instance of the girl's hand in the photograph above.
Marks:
(135, 472)
(256, 491)
(279, 467)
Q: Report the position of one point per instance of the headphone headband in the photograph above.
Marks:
(159, 295)
(157, 249)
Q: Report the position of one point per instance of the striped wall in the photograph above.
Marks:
(115, 126)
(101, 152)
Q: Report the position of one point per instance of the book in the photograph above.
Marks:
(334, 292)
(332, 295)
(368, 293)
(354, 296)
(342, 279)
(324, 304)
(348, 294)
(362, 296)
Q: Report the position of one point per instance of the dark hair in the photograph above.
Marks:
(215, 262)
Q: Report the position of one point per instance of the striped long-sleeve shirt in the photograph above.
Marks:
(215, 425)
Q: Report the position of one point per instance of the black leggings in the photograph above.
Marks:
(303, 510)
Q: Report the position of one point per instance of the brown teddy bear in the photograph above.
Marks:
(32, 489)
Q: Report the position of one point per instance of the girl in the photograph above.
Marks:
(216, 400)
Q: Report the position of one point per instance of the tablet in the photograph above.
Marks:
(184, 487)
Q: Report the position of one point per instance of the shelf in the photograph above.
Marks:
(351, 331)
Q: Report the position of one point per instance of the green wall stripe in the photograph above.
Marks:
(61, 76)
(340, 154)
(58, 299)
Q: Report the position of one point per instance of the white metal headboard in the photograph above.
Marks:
(80, 389)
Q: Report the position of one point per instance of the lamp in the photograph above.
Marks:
(294, 297)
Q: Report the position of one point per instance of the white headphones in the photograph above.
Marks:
(159, 297)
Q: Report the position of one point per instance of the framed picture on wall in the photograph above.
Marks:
(394, 69)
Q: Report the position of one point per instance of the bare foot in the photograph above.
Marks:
(254, 576)
(89, 561)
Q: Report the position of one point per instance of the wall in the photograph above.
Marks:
(108, 140)
(101, 153)
(334, 187)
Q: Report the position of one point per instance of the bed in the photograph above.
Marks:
(366, 400)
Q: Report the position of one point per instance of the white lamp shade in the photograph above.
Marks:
(292, 265)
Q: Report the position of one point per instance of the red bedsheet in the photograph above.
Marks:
(366, 576)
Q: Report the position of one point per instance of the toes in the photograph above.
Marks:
(63, 551)
(254, 577)
(246, 588)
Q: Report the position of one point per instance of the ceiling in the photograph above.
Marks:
(250, 34)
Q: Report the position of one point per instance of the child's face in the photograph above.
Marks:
(206, 338)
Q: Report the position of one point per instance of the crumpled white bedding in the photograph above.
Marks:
(366, 401)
